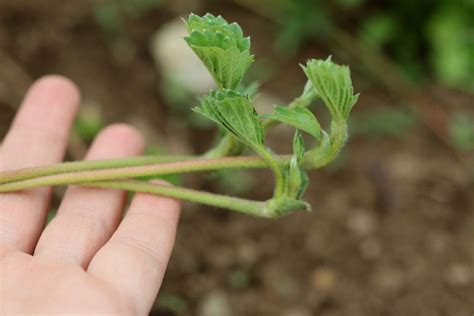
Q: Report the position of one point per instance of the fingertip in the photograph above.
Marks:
(50, 104)
(61, 86)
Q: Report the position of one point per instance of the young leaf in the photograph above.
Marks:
(299, 117)
(298, 146)
(333, 84)
(234, 113)
(296, 177)
(222, 48)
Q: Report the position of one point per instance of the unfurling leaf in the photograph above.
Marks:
(297, 176)
(333, 84)
(234, 113)
(222, 48)
(298, 146)
(299, 117)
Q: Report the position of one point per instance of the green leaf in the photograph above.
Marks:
(221, 47)
(295, 176)
(333, 84)
(298, 146)
(296, 179)
(234, 113)
(299, 117)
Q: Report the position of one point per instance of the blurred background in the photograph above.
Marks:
(392, 227)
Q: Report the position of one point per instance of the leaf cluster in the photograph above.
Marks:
(226, 53)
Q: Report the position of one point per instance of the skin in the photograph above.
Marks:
(88, 260)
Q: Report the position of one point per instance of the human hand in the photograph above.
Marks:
(86, 260)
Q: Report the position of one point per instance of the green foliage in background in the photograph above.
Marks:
(425, 37)
(461, 131)
(451, 36)
(110, 15)
(172, 302)
(88, 123)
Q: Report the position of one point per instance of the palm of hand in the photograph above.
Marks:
(41, 285)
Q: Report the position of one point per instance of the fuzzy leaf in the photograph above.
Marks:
(333, 84)
(221, 47)
(234, 113)
(296, 177)
(298, 146)
(299, 117)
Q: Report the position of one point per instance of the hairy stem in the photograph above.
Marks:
(274, 162)
(89, 171)
(250, 207)
(185, 166)
(76, 166)
(108, 170)
(330, 147)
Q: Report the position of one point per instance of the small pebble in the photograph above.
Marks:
(324, 279)
(215, 303)
(361, 222)
(388, 280)
(370, 248)
(459, 274)
(247, 253)
(297, 311)
(176, 61)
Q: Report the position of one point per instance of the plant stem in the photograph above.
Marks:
(92, 171)
(274, 162)
(67, 167)
(250, 207)
(185, 166)
(329, 148)
(88, 171)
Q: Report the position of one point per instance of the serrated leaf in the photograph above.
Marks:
(234, 113)
(221, 47)
(333, 84)
(299, 117)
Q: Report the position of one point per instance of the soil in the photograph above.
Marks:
(392, 226)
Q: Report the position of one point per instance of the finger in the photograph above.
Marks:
(87, 217)
(38, 136)
(143, 243)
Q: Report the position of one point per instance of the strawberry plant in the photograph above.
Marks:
(225, 51)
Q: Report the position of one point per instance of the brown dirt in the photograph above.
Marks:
(392, 227)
